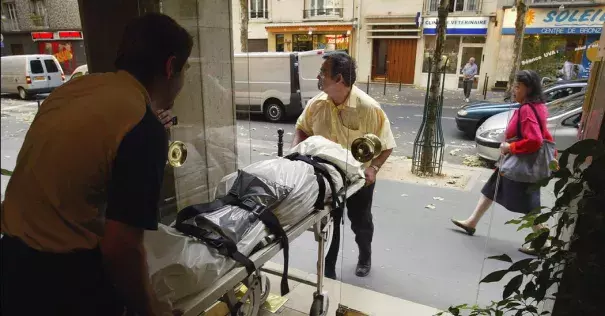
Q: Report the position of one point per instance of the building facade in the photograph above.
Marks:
(44, 27)
(297, 25)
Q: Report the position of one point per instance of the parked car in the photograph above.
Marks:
(470, 117)
(80, 71)
(563, 121)
(276, 84)
(29, 75)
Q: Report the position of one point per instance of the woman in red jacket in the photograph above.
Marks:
(516, 196)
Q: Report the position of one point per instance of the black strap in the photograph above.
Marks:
(317, 162)
(519, 133)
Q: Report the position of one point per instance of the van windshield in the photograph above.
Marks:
(36, 67)
(51, 67)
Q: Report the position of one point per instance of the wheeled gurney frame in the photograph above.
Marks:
(258, 286)
(319, 222)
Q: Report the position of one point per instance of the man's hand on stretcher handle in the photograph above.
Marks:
(370, 172)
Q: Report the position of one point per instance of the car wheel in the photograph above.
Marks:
(274, 111)
(22, 94)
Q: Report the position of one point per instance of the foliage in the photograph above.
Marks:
(6, 172)
(533, 278)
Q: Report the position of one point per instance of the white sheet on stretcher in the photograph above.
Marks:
(181, 265)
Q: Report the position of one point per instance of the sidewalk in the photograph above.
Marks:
(410, 95)
(418, 255)
(364, 300)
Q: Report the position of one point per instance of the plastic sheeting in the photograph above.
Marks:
(181, 265)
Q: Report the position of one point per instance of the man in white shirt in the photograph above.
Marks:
(342, 113)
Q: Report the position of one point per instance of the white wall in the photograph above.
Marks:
(391, 7)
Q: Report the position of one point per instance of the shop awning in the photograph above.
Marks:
(312, 26)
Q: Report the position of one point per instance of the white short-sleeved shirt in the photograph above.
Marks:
(358, 115)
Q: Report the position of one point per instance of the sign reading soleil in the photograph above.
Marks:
(553, 21)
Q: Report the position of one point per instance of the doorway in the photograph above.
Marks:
(468, 51)
(394, 60)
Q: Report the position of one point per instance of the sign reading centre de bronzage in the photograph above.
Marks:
(584, 20)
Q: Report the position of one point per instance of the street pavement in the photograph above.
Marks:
(417, 253)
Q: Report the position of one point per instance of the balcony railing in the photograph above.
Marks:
(559, 1)
(456, 5)
(259, 14)
(326, 12)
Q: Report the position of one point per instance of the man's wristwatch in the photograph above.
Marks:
(375, 168)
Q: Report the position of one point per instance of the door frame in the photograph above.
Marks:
(460, 61)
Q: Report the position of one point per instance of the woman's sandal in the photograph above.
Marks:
(468, 230)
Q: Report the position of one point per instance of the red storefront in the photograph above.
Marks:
(62, 45)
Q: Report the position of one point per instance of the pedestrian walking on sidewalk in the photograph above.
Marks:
(469, 72)
(342, 113)
(87, 184)
(513, 195)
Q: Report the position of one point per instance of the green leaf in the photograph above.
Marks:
(531, 309)
(585, 146)
(512, 286)
(454, 311)
(520, 265)
(542, 218)
(560, 184)
(503, 257)
(6, 172)
(512, 304)
(561, 223)
(564, 160)
(530, 290)
(514, 221)
(539, 242)
(519, 313)
(494, 276)
(562, 173)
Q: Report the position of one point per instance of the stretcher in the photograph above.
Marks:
(320, 222)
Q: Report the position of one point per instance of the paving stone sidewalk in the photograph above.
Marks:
(410, 95)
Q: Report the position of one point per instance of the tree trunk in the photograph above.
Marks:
(427, 156)
(243, 37)
(517, 46)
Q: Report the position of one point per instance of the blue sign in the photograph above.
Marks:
(579, 21)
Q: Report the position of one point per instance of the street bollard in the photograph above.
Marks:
(399, 84)
(280, 142)
(384, 91)
(368, 85)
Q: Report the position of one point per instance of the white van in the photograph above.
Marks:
(29, 75)
(278, 84)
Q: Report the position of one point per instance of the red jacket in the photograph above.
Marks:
(530, 129)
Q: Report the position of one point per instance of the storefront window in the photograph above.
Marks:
(553, 50)
(302, 42)
(473, 39)
(450, 50)
(279, 42)
(455, 5)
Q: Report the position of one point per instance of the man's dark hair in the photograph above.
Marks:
(342, 64)
(148, 42)
(532, 81)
